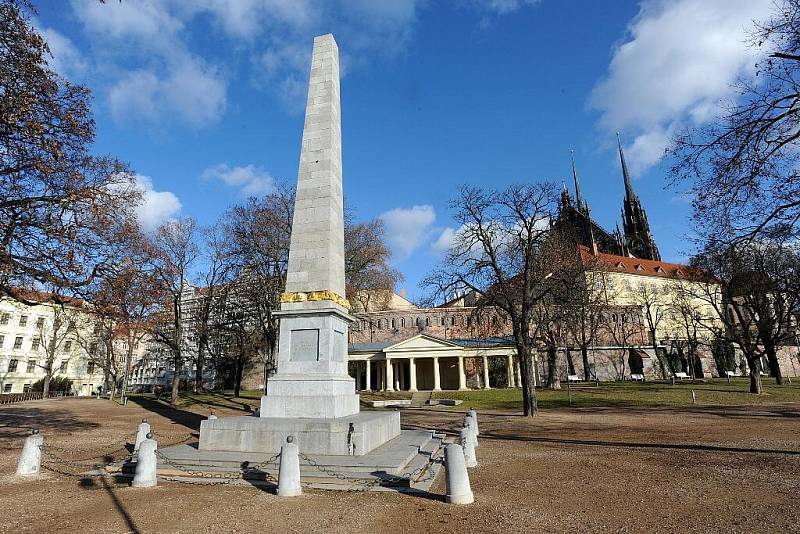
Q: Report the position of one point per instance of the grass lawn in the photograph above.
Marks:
(621, 394)
(608, 394)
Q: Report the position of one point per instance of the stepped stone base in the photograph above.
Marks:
(410, 461)
(354, 435)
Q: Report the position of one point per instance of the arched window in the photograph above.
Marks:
(427, 321)
(403, 322)
(393, 323)
(453, 320)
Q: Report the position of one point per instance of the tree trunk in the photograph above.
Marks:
(530, 407)
(198, 370)
(587, 375)
(658, 355)
(755, 374)
(553, 380)
(176, 381)
(237, 379)
(46, 383)
(772, 361)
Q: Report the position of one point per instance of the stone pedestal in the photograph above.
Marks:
(354, 435)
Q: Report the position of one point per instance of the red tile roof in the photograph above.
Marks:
(638, 266)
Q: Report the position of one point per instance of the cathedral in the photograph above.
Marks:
(575, 222)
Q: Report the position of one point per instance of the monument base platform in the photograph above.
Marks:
(354, 435)
(410, 461)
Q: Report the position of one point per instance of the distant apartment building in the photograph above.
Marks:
(33, 332)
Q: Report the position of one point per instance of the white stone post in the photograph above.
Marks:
(462, 376)
(412, 375)
(458, 490)
(368, 377)
(212, 416)
(146, 464)
(437, 380)
(141, 434)
(389, 375)
(474, 415)
(30, 461)
(289, 470)
(469, 447)
(470, 423)
(510, 370)
(486, 384)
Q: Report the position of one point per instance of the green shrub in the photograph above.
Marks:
(57, 383)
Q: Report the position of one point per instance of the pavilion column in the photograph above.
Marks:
(486, 373)
(367, 378)
(397, 378)
(389, 375)
(518, 380)
(437, 382)
(510, 370)
(462, 376)
(412, 375)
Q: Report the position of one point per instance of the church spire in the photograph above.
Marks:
(629, 194)
(580, 204)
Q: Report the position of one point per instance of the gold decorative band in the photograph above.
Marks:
(316, 295)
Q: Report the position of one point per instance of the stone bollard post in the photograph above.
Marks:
(146, 464)
(212, 416)
(141, 434)
(472, 424)
(474, 414)
(469, 447)
(30, 461)
(456, 477)
(289, 470)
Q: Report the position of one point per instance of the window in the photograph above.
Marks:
(93, 349)
(12, 366)
(427, 321)
(403, 322)
(392, 323)
(2, 338)
(26, 388)
(23, 320)
(18, 342)
(31, 366)
(67, 346)
(63, 367)
(4, 317)
(40, 323)
(90, 368)
(6, 388)
(453, 320)
(35, 343)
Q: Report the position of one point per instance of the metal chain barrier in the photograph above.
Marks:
(220, 477)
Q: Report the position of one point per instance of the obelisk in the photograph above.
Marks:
(311, 380)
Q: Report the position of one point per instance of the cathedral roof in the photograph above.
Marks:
(639, 266)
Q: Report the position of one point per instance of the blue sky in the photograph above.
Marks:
(205, 99)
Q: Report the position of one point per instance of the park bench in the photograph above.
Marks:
(731, 373)
(681, 375)
(573, 378)
(637, 377)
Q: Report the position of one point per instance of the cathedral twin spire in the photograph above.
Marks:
(635, 238)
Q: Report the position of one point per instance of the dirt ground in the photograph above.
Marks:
(704, 469)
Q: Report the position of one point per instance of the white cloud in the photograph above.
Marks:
(503, 7)
(677, 62)
(250, 180)
(157, 207)
(445, 241)
(190, 93)
(408, 228)
(66, 58)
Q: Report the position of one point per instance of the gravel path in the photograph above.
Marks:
(699, 469)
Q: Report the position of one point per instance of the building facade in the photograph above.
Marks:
(34, 332)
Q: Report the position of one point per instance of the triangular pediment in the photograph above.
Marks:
(422, 342)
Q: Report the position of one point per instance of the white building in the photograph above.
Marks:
(25, 332)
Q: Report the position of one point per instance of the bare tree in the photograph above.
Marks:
(370, 277)
(743, 167)
(63, 211)
(654, 303)
(55, 336)
(498, 251)
(175, 252)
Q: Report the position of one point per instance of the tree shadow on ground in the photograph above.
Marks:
(103, 483)
(176, 415)
(16, 422)
(636, 445)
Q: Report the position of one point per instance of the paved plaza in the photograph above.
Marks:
(677, 469)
